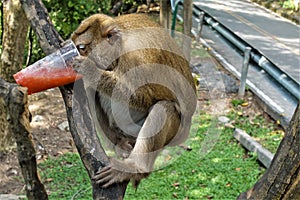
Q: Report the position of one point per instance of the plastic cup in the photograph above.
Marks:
(52, 71)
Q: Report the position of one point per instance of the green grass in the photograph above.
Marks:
(266, 133)
(218, 166)
(222, 173)
(65, 177)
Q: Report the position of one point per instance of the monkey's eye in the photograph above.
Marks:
(109, 35)
(82, 48)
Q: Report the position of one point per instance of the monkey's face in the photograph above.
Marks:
(98, 39)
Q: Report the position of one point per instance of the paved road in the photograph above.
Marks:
(274, 37)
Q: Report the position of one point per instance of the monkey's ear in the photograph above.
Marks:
(111, 34)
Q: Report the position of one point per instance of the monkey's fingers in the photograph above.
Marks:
(102, 175)
(108, 183)
(78, 63)
(105, 178)
(104, 169)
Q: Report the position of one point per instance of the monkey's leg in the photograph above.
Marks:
(160, 126)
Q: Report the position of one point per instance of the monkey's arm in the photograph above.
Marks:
(159, 128)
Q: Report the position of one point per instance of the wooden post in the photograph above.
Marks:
(164, 13)
(187, 27)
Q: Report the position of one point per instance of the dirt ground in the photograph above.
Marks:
(48, 114)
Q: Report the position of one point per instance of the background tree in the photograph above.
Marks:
(14, 31)
(15, 27)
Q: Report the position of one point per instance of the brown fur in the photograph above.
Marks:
(111, 49)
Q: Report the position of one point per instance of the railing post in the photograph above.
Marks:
(164, 13)
(174, 19)
(200, 24)
(244, 73)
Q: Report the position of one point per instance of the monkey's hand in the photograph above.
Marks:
(119, 171)
(88, 69)
(83, 65)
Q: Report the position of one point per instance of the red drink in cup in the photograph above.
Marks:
(52, 71)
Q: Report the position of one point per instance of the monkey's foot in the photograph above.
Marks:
(119, 171)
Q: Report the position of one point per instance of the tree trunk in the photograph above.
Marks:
(14, 33)
(14, 99)
(282, 179)
(14, 39)
(187, 27)
(6, 138)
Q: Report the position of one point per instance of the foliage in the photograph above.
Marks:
(66, 15)
(289, 4)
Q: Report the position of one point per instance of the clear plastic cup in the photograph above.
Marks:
(52, 71)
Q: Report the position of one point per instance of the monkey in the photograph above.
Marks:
(142, 90)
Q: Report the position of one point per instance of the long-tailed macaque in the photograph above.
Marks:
(142, 88)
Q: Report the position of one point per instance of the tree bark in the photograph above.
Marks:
(6, 138)
(282, 179)
(14, 99)
(79, 117)
(14, 38)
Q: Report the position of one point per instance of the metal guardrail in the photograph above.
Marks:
(291, 85)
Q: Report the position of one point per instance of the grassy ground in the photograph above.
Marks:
(221, 171)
